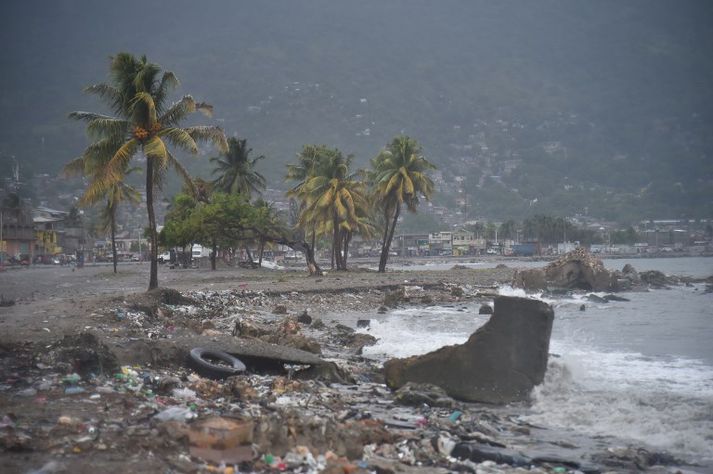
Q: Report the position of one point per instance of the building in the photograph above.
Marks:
(411, 245)
(16, 230)
(441, 243)
(465, 243)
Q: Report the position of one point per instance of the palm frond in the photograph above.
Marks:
(209, 133)
(178, 111)
(179, 138)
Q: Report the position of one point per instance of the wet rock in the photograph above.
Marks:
(304, 318)
(578, 269)
(499, 363)
(382, 309)
(530, 280)
(582, 307)
(611, 297)
(479, 453)
(596, 299)
(485, 309)
(393, 298)
(417, 394)
(656, 279)
(363, 323)
(357, 341)
(634, 459)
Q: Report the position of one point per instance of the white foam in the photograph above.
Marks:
(667, 404)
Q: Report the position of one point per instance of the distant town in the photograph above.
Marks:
(49, 229)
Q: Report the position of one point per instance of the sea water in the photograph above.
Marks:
(640, 371)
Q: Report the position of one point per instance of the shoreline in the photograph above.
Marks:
(109, 311)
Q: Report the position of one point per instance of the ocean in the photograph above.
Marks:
(637, 372)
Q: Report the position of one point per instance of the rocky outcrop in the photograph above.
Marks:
(531, 279)
(499, 363)
(580, 270)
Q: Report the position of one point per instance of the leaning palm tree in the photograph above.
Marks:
(398, 177)
(236, 170)
(144, 124)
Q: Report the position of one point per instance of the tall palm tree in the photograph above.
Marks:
(236, 170)
(144, 124)
(335, 202)
(399, 177)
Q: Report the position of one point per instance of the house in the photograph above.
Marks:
(440, 243)
(465, 243)
(411, 245)
(16, 230)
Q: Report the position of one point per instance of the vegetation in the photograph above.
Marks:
(144, 123)
(398, 177)
(236, 170)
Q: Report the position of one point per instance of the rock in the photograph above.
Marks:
(611, 297)
(485, 309)
(327, 372)
(501, 266)
(633, 459)
(457, 291)
(302, 342)
(363, 323)
(426, 299)
(459, 267)
(358, 340)
(578, 269)
(582, 308)
(655, 279)
(279, 309)
(318, 324)
(596, 299)
(499, 363)
(417, 394)
(530, 280)
(304, 318)
(628, 269)
(382, 309)
(393, 298)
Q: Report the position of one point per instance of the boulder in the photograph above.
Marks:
(499, 363)
(485, 309)
(530, 280)
(304, 318)
(656, 279)
(579, 270)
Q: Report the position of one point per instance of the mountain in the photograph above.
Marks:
(551, 106)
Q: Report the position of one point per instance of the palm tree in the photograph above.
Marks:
(91, 164)
(335, 202)
(236, 170)
(398, 177)
(144, 123)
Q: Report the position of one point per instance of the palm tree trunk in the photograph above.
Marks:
(213, 256)
(262, 249)
(387, 243)
(347, 239)
(114, 256)
(248, 254)
(153, 277)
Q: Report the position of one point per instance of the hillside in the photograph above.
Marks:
(551, 106)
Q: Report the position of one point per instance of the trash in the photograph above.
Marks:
(184, 393)
(71, 379)
(214, 363)
(221, 433)
(175, 414)
(455, 415)
(73, 390)
(28, 392)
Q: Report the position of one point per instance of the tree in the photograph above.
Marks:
(144, 123)
(398, 177)
(91, 164)
(236, 170)
(335, 202)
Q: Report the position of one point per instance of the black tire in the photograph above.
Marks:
(199, 360)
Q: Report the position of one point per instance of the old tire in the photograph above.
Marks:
(202, 361)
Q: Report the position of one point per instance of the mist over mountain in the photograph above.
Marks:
(551, 106)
